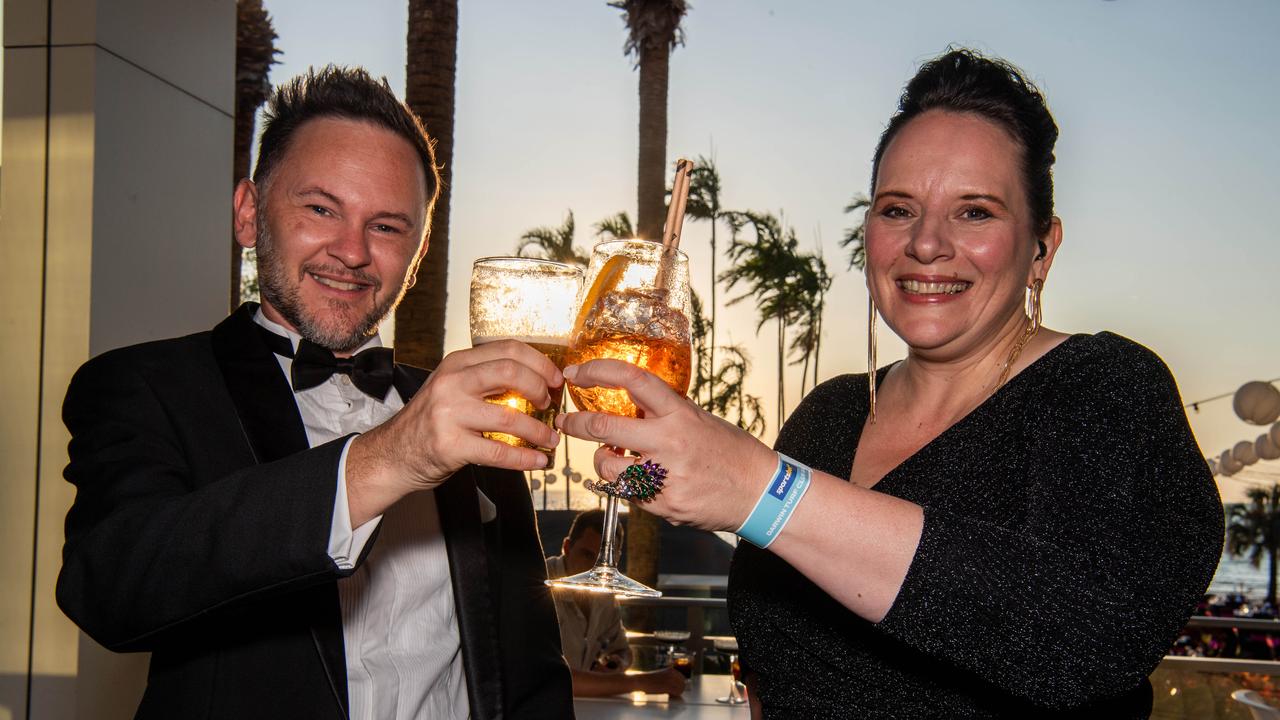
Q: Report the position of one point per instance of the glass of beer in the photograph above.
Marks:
(533, 301)
(635, 308)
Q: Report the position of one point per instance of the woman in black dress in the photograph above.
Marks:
(1011, 522)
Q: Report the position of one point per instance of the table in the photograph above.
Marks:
(697, 703)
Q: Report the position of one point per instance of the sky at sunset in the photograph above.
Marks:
(1167, 174)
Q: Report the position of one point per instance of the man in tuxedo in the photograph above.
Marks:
(293, 525)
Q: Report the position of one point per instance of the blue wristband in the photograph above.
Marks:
(776, 503)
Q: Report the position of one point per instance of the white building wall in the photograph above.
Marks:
(128, 240)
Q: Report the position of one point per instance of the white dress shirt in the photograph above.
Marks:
(404, 657)
(588, 637)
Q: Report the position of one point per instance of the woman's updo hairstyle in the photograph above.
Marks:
(964, 81)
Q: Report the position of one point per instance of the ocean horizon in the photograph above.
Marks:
(1235, 574)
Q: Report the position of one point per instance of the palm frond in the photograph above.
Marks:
(553, 243)
(652, 24)
(855, 237)
(615, 227)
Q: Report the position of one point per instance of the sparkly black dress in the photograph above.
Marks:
(1070, 527)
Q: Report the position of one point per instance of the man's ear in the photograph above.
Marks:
(564, 546)
(417, 261)
(244, 213)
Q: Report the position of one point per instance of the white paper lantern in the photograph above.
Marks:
(1265, 449)
(1257, 403)
(575, 476)
(535, 485)
(1243, 453)
(1227, 465)
(1213, 465)
(550, 479)
(1275, 434)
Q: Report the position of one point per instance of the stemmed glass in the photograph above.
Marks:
(671, 639)
(635, 308)
(730, 648)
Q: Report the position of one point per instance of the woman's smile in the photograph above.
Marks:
(927, 289)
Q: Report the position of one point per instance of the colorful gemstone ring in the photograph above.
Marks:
(639, 481)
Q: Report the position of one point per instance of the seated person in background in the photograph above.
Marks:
(591, 634)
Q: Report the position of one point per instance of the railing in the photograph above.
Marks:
(1186, 688)
(696, 608)
(1231, 623)
(695, 621)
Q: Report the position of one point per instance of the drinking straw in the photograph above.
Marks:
(679, 198)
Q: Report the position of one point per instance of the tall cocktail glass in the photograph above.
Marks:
(635, 308)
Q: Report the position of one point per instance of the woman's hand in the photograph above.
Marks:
(715, 470)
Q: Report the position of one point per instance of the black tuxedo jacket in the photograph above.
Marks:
(200, 531)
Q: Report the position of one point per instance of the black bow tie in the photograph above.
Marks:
(371, 370)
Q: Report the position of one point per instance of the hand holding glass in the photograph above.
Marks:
(532, 301)
(635, 308)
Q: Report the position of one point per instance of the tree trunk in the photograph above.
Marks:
(1271, 576)
(255, 54)
(804, 373)
(817, 349)
(244, 122)
(642, 527)
(430, 75)
(711, 352)
(652, 166)
(782, 396)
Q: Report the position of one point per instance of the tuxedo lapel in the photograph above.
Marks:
(407, 380)
(273, 428)
(459, 510)
(458, 505)
(262, 396)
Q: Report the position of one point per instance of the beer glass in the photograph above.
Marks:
(533, 301)
(635, 308)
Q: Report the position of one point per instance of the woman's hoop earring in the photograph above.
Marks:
(871, 356)
(1033, 326)
(1037, 287)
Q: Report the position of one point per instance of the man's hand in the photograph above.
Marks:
(439, 430)
(667, 680)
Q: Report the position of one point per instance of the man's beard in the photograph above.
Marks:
(328, 330)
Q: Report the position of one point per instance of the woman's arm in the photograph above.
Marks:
(717, 472)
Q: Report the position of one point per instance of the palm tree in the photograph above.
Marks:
(704, 204)
(615, 227)
(430, 79)
(553, 243)
(855, 238)
(653, 32)
(769, 264)
(1254, 528)
(255, 54)
(811, 284)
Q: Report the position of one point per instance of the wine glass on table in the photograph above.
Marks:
(636, 309)
(730, 647)
(533, 301)
(670, 640)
